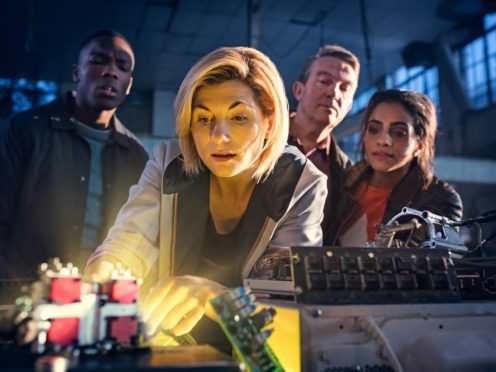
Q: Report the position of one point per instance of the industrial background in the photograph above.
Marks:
(444, 48)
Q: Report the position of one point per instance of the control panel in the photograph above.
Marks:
(344, 275)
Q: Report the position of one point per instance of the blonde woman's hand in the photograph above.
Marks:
(178, 303)
(98, 270)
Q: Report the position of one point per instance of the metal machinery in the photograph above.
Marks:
(399, 304)
(404, 303)
(423, 229)
(61, 312)
(69, 323)
(381, 309)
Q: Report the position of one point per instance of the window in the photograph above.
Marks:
(351, 145)
(21, 94)
(477, 65)
(419, 79)
(361, 101)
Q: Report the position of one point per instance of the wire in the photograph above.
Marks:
(488, 216)
(479, 265)
(490, 259)
(487, 240)
(370, 327)
(479, 234)
(480, 262)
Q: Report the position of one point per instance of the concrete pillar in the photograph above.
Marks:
(454, 101)
(163, 124)
(254, 23)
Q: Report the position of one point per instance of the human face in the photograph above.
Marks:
(228, 128)
(327, 96)
(103, 73)
(390, 142)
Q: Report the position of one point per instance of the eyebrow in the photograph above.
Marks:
(120, 55)
(320, 73)
(396, 123)
(98, 53)
(199, 105)
(235, 104)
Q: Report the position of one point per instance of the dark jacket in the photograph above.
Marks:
(44, 167)
(340, 163)
(439, 198)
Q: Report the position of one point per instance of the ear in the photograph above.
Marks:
(298, 88)
(270, 126)
(128, 90)
(418, 150)
(75, 74)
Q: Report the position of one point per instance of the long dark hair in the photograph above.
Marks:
(423, 113)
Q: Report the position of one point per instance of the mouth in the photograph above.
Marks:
(222, 157)
(107, 90)
(382, 155)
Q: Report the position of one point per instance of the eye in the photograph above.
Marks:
(324, 81)
(124, 66)
(204, 120)
(95, 60)
(399, 133)
(240, 118)
(346, 88)
(373, 129)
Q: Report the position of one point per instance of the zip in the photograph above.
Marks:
(173, 240)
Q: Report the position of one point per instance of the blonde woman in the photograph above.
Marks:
(222, 203)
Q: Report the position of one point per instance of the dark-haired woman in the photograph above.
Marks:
(398, 131)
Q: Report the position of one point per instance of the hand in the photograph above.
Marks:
(98, 271)
(177, 303)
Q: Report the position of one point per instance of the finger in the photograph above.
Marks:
(175, 296)
(98, 271)
(176, 314)
(155, 298)
(187, 324)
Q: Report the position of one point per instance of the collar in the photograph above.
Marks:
(410, 185)
(270, 199)
(404, 190)
(61, 118)
(324, 145)
(338, 155)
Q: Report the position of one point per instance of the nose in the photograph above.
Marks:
(110, 69)
(384, 139)
(334, 92)
(220, 132)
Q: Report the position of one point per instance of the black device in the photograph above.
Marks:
(345, 275)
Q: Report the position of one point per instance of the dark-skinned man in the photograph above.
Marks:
(66, 167)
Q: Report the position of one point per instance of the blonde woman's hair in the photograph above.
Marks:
(256, 70)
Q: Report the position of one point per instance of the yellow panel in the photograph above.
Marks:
(285, 340)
